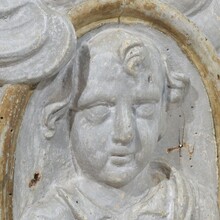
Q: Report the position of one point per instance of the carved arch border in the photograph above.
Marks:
(86, 17)
(96, 13)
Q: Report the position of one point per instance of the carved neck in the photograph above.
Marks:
(117, 198)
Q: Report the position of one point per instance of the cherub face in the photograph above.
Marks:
(118, 121)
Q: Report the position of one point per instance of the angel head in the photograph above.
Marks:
(121, 91)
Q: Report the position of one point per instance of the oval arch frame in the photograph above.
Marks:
(95, 13)
(86, 17)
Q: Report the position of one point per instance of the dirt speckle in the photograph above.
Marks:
(36, 179)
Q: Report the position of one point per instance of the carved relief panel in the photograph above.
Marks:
(118, 120)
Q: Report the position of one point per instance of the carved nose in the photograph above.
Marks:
(123, 127)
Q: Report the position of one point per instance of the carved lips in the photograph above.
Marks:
(120, 160)
(121, 156)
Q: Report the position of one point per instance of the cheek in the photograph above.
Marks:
(148, 132)
(163, 122)
(147, 135)
(89, 141)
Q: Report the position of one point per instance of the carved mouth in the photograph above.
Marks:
(121, 159)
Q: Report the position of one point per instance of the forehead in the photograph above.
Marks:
(108, 79)
(114, 40)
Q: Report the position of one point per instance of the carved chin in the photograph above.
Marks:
(118, 177)
(118, 180)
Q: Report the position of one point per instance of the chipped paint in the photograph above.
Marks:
(12, 106)
(2, 139)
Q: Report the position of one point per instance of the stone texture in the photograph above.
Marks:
(32, 49)
(64, 165)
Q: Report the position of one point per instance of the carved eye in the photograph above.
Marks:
(145, 110)
(97, 114)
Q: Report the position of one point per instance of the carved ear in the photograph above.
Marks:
(58, 100)
(53, 113)
(178, 85)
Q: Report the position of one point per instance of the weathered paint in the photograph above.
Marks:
(12, 106)
(86, 17)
